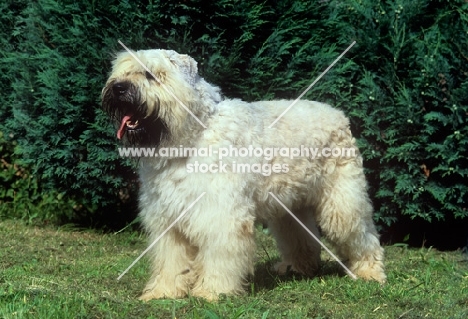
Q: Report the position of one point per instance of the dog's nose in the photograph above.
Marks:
(120, 88)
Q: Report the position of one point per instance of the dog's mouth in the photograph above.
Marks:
(139, 130)
(128, 123)
(135, 125)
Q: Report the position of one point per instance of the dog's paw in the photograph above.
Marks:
(147, 296)
(150, 294)
(370, 271)
(282, 268)
(209, 296)
(308, 269)
(371, 274)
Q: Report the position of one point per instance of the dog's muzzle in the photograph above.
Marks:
(128, 122)
(122, 100)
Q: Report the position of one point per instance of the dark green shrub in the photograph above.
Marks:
(416, 110)
(21, 196)
(56, 67)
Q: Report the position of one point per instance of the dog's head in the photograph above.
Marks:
(155, 95)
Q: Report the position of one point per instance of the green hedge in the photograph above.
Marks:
(404, 85)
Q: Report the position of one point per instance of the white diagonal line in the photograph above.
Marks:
(160, 236)
(162, 84)
(313, 83)
(313, 236)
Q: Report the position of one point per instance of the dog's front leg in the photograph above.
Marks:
(172, 272)
(225, 258)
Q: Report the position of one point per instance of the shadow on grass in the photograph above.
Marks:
(266, 279)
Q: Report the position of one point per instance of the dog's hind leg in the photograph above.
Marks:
(172, 271)
(344, 215)
(299, 251)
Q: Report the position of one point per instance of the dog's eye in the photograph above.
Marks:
(149, 76)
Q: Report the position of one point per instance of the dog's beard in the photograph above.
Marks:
(136, 125)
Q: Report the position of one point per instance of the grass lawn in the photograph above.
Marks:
(67, 273)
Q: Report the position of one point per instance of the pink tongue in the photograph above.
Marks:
(121, 131)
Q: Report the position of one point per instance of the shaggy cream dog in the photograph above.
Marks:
(210, 250)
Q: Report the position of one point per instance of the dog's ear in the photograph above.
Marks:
(186, 64)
